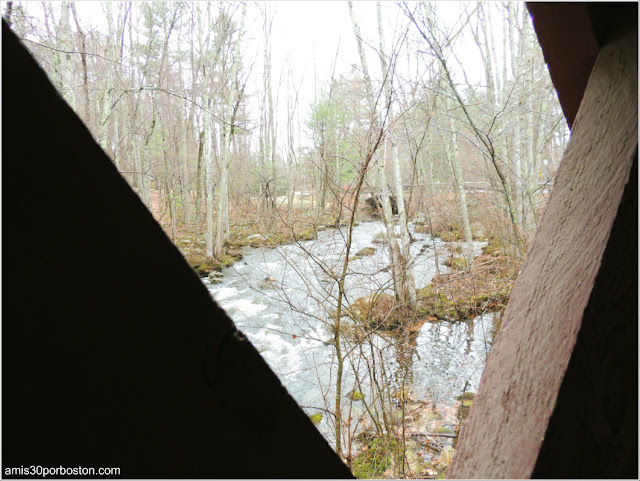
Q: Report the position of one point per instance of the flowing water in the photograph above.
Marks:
(281, 298)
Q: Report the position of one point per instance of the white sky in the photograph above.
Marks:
(306, 35)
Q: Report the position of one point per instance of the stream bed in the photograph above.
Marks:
(282, 298)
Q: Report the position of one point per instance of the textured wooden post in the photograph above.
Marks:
(113, 352)
(558, 397)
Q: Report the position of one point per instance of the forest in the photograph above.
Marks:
(359, 202)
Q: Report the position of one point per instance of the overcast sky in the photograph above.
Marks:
(310, 36)
(307, 36)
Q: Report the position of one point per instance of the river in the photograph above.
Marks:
(281, 298)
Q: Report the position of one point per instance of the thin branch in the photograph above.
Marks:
(71, 51)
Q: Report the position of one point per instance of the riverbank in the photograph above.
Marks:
(244, 233)
(482, 287)
(468, 291)
(423, 442)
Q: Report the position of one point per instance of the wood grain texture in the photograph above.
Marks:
(508, 423)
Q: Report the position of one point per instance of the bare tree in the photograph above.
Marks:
(485, 138)
(404, 285)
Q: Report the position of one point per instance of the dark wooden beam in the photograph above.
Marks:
(113, 352)
(570, 47)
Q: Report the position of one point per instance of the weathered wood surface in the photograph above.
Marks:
(509, 420)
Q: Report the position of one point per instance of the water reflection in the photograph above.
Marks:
(288, 319)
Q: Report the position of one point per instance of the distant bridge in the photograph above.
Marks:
(444, 187)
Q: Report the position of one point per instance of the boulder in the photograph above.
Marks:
(215, 277)
(366, 252)
(420, 219)
(379, 238)
(269, 283)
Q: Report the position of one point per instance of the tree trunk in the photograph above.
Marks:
(208, 176)
(83, 58)
(407, 290)
(485, 139)
(66, 59)
(226, 128)
(7, 13)
(452, 155)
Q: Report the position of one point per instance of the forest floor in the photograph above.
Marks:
(422, 445)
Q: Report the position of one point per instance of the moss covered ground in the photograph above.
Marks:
(465, 294)
(457, 296)
(246, 232)
(373, 462)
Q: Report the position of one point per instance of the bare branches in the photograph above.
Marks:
(425, 30)
(209, 120)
